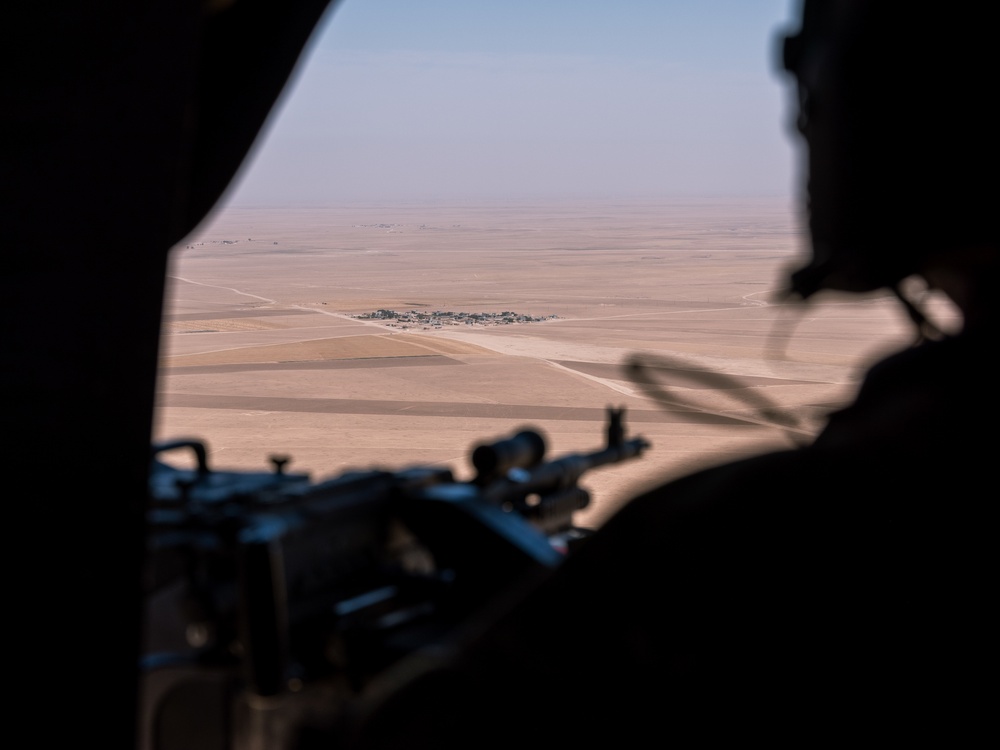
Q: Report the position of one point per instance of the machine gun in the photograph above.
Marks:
(273, 601)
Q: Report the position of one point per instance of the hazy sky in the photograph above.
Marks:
(520, 99)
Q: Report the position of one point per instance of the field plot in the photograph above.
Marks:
(372, 335)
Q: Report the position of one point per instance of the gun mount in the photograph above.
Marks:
(273, 601)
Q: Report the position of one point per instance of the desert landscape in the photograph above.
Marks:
(388, 336)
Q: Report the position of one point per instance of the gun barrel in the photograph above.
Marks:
(560, 474)
(567, 470)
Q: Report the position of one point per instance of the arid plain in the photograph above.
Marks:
(262, 352)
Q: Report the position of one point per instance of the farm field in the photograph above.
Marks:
(273, 342)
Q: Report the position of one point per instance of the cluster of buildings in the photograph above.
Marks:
(440, 318)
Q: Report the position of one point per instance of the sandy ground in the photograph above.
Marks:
(261, 354)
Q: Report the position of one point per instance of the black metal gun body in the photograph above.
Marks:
(288, 589)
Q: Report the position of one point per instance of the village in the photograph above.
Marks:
(441, 318)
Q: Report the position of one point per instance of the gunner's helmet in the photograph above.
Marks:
(897, 106)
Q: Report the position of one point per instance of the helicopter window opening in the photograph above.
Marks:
(464, 216)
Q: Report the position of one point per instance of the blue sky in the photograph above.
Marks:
(414, 100)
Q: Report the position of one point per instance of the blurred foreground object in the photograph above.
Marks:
(274, 602)
(831, 592)
(124, 123)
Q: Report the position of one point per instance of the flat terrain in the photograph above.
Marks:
(263, 354)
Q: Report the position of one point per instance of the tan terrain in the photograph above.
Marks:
(261, 354)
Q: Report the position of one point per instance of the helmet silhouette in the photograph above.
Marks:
(894, 103)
